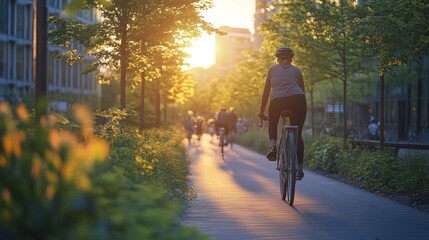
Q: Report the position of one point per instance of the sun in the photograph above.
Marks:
(202, 52)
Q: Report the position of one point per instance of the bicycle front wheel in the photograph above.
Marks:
(222, 141)
(281, 167)
(291, 167)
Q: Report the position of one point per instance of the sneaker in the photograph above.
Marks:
(272, 154)
(299, 175)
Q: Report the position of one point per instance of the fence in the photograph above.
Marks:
(392, 145)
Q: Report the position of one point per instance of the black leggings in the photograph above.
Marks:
(297, 104)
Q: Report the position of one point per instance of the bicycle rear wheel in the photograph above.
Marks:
(281, 167)
(291, 167)
(221, 142)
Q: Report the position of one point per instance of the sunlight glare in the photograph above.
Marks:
(202, 52)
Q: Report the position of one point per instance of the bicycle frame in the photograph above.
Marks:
(221, 139)
(287, 156)
(287, 159)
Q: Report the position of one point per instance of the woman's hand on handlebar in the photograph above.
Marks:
(262, 117)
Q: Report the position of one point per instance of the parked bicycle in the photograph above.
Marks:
(287, 159)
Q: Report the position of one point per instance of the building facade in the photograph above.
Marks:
(263, 9)
(16, 55)
(229, 47)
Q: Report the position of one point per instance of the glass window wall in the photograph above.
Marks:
(4, 15)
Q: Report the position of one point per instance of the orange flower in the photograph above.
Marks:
(83, 183)
(4, 107)
(2, 161)
(12, 143)
(50, 191)
(22, 113)
(7, 197)
(83, 115)
(97, 149)
(36, 167)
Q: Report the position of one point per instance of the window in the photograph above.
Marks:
(4, 15)
(19, 62)
(29, 21)
(3, 58)
(11, 59)
(63, 75)
(20, 21)
(54, 4)
(12, 20)
(28, 63)
(51, 66)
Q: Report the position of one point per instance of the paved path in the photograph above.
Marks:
(238, 198)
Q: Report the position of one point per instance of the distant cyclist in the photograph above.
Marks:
(221, 120)
(232, 119)
(199, 127)
(188, 126)
(284, 86)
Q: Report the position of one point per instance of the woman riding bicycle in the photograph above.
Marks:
(286, 84)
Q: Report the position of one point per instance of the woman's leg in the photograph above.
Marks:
(274, 115)
(299, 113)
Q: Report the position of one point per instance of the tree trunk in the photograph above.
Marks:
(345, 94)
(123, 57)
(157, 104)
(142, 98)
(313, 131)
(165, 106)
(40, 56)
(381, 111)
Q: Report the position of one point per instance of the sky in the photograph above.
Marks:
(232, 13)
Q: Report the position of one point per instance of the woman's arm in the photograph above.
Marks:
(265, 93)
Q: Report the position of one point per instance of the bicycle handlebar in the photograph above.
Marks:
(263, 118)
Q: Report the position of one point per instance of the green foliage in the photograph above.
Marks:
(134, 210)
(414, 176)
(255, 140)
(327, 152)
(55, 186)
(157, 156)
(43, 178)
(372, 169)
(378, 170)
(396, 30)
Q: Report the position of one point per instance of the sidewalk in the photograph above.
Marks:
(238, 198)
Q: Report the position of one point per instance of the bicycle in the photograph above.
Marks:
(231, 138)
(221, 139)
(287, 159)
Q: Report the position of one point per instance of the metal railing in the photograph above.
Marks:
(393, 145)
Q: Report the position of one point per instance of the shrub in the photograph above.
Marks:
(327, 152)
(55, 186)
(372, 169)
(379, 170)
(414, 176)
(155, 155)
(43, 177)
(256, 140)
(136, 210)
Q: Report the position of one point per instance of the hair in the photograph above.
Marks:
(285, 62)
(284, 56)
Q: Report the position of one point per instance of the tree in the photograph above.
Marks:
(396, 31)
(165, 28)
(135, 36)
(322, 34)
